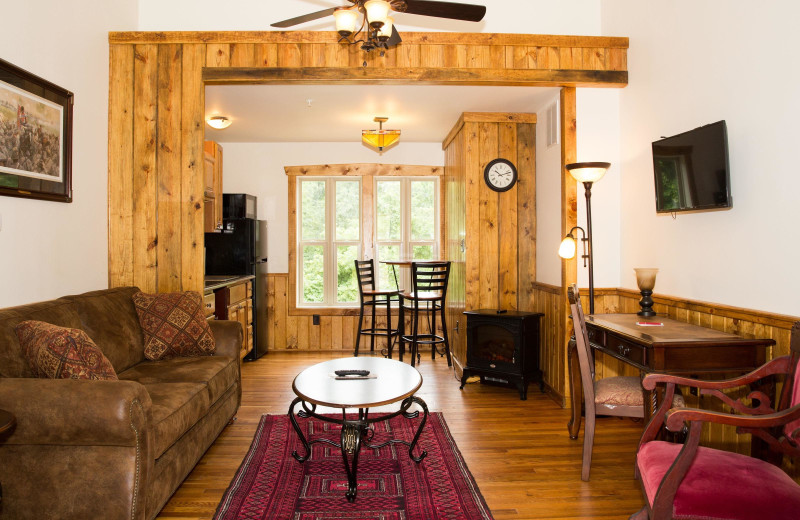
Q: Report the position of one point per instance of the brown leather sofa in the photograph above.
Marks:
(109, 449)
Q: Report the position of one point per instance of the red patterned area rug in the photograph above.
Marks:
(271, 484)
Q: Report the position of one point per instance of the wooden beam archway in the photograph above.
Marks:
(156, 116)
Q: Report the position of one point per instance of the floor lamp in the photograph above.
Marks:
(588, 173)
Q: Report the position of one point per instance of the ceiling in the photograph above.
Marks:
(338, 113)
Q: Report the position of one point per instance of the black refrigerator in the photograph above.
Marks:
(241, 249)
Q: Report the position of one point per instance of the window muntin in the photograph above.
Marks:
(329, 241)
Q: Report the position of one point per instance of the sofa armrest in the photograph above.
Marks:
(228, 336)
(88, 443)
(70, 412)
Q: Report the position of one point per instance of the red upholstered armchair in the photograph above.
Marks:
(691, 482)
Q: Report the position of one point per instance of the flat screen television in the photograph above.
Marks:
(691, 170)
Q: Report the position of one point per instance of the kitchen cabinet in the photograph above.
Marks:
(235, 303)
(212, 186)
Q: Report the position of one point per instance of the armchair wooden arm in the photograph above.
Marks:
(677, 417)
(780, 365)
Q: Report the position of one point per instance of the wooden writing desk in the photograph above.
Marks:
(674, 348)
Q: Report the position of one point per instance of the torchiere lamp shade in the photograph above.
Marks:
(588, 171)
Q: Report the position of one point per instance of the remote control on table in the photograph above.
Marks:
(345, 373)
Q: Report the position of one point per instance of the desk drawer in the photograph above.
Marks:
(624, 348)
(596, 335)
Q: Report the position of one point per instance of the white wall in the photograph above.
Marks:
(598, 140)
(503, 16)
(257, 169)
(693, 63)
(548, 200)
(49, 249)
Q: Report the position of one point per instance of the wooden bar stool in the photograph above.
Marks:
(371, 297)
(429, 288)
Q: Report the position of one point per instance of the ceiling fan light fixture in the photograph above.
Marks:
(219, 122)
(346, 20)
(380, 138)
(377, 12)
(385, 32)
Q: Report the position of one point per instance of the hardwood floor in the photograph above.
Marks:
(519, 451)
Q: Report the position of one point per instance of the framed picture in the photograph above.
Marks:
(35, 136)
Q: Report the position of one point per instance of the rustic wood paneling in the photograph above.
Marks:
(145, 182)
(156, 115)
(120, 165)
(487, 274)
(168, 171)
(569, 208)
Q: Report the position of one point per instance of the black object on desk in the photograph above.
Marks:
(503, 347)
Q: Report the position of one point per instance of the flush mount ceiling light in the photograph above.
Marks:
(376, 30)
(219, 122)
(380, 138)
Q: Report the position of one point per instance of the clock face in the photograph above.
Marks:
(500, 175)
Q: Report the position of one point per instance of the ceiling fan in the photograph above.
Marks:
(377, 22)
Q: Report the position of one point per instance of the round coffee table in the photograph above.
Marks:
(389, 381)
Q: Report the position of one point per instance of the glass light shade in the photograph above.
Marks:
(385, 32)
(380, 139)
(588, 171)
(567, 248)
(219, 122)
(346, 20)
(646, 278)
(377, 12)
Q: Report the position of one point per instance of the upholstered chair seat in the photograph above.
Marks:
(721, 485)
(625, 391)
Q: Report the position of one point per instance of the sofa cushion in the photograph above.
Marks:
(174, 325)
(721, 485)
(57, 312)
(62, 353)
(110, 319)
(218, 373)
(176, 408)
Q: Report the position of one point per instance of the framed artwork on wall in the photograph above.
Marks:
(35, 136)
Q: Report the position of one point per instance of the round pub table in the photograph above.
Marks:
(388, 382)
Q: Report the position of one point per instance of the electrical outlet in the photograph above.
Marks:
(315, 319)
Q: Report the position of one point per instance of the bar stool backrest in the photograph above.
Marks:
(365, 271)
(430, 277)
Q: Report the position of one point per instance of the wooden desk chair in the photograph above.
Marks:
(370, 297)
(621, 396)
(687, 481)
(429, 288)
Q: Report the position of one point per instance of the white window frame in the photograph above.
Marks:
(330, 244)
(405, 244)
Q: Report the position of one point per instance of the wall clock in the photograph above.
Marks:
(500, 174)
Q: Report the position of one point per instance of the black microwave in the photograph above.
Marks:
(238, 205)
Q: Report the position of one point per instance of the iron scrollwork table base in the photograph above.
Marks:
(355, 434)
(389, 382)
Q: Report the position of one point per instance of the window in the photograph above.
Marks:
(344, 218)
(406, 224)
(329, 241)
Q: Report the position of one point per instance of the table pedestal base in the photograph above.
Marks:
(355, 433)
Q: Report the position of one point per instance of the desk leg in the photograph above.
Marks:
(576, 390)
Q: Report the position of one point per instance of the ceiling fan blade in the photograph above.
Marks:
(452, 10)
(395, 38)
(305, 18)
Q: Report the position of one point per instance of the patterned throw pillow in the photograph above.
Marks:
(174, 325)
(62, 353)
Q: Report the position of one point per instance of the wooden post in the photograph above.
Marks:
(569, 213)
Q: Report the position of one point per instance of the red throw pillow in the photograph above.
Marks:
(174, 325)
(62, 353)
